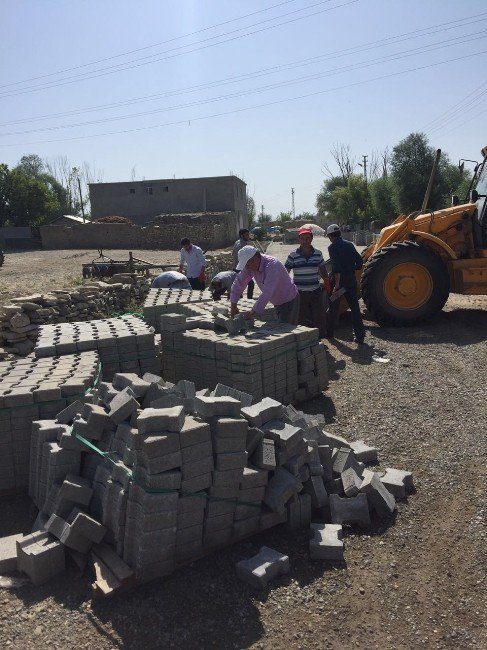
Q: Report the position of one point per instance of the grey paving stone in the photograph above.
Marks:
(351, 482)
(398, 482)
(153, 420)
(364, 453)
(263, 567)
(350, 510)
(8, 553)
(326, 542)
(380, 499)
(281, 487)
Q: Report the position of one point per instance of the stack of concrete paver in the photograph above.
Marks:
(190, 303)
(172, 301)
(22, 317)
(33, 389)
(125, 343)
(276, 360)
(180, 473)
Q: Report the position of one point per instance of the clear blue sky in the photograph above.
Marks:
(273, 147)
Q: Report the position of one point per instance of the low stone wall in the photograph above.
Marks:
(20, 320)
(126, 236)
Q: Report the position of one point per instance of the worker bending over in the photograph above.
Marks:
(272, 279)
(193, 260)
(308, 267)
(243, 240)
(171, 280)
(222, 283)
(345, 260)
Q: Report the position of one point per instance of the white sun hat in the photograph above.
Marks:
(332, 229)
(244, 255)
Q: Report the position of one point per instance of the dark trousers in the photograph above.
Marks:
(288, 312)
(197, 284)
(350, 295)
(312, 309)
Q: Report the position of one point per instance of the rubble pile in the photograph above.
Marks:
(276, 360)
(22, 317)
(36, 389)
(151, 475)
(124, 343)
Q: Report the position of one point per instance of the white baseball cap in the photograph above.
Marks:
(332, 229)
(244, 255)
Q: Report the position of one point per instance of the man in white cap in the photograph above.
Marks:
(272, 279)
(345, 260)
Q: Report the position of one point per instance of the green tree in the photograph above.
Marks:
(25, 201)
(4, 206)
(251, 210)
(383, 208)
(326, 200)
(284, 216)
(306, 216)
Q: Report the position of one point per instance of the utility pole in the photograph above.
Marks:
(81, 200)
(364, 158)
(292, 201)
(262, 214)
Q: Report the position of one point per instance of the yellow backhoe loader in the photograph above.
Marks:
(410, 270)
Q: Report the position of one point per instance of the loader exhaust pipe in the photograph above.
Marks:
(430, 182)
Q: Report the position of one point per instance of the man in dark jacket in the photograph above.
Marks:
(345, 260)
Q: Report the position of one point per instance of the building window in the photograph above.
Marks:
(132, 190)
(165, 188)
(148, 190)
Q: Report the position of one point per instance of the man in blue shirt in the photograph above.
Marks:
(345, 260)
(308, 268)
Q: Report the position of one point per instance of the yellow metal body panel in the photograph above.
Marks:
(468, 276)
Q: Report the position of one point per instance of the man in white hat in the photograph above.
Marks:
(272, 279)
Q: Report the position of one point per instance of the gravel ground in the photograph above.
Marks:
(416, 580)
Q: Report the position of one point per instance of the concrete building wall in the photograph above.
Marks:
(207, 234)
(140, 201)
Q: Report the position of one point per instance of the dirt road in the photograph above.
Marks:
(416, 580)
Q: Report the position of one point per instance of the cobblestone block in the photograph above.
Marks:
(397, 482)
(364, 453)
(281, 487)
(153, 420)
(263, 567)
(326, 542)
(353, 510)
(351, 482)
(380, 499)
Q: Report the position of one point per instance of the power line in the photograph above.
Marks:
(248, 108)
(266, 71)
(103, 72)
(473, 98)
(348, 68)
(147, 47)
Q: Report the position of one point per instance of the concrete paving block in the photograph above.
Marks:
(195, 431)
(333, 441)
(40, 556)
(285, 435)
(259, 570)
(154, 446)
(252, 478)
(169, 400)
(343, 459)
(246, 527)
(364, 453)
(189, 534)
(231, 461)
(8, 553)
(122, 380)
(316, 489)
(326, 542)
(229, 427)
(229, 445)
(324, 452)
(162, 463)
(198, 483)
(293, 508)
(397, 482)
(163, 420)
(351, 482)
(263, 411)
(76, 489)
(122, 406)
(350, 510)
(227, 477)
(221, 390)
(197, 468)
(281, 487)
(305, 509)
(269, 518)
(380, 499)
(264, 457)
(67, 415)
(254, 437)
(56, 526)
(217, 406)
(88, 527)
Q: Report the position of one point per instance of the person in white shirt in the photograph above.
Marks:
(193, 259)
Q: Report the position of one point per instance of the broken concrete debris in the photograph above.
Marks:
(146, 489)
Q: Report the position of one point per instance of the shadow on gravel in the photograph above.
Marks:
(322, 405)
(460, 327)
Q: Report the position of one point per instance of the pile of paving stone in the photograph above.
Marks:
(151, 475)
(22, 317)
(125, 343)
(274, 359)
(33, 389)
(192, 304)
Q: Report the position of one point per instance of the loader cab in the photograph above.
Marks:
(478, 194)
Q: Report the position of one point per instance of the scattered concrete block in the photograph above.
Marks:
(67, 415)
(353, 510)
(351, 482)
(326, 542)
(76, 489)
(155, 420)
(364, 453)
(8, 553)
(263, 411)
(40, 556)
(333, 441)
(397, 482)
(263, 567)
(264, 457)
(380, 499)
(122, 406)
(316, 489)
(281, 487)
(343, 459)
(217, 406)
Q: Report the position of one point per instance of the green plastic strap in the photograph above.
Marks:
(149, 490)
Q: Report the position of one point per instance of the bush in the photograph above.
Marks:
(113, 219)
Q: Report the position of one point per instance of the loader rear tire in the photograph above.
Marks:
(405, 284)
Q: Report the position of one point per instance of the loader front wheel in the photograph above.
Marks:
(405, 283)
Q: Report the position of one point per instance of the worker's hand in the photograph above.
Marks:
(233, 310)
(202, 275)
(250, 315)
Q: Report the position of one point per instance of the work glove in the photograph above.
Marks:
(202, 276)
